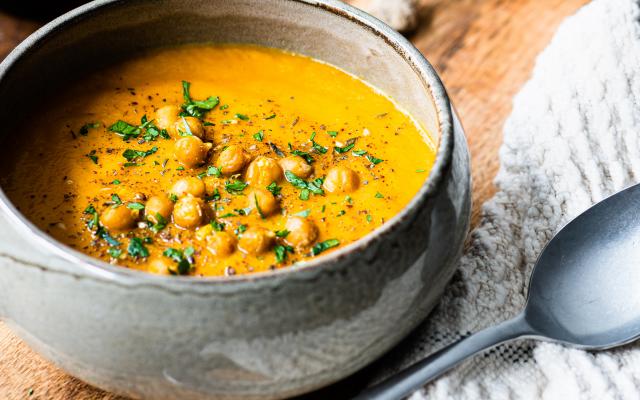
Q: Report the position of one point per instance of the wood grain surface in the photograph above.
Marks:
(484, 51)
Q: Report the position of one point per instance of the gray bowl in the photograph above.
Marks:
(268, 335)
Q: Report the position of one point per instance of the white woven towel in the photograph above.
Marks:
(573, 138)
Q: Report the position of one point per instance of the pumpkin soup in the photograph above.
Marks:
(216, 160)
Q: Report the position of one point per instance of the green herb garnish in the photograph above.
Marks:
(283, 233)
(235, 187)
(259, 136)
(332, 133)
(196, 108)
(84, 130)
(137, 249)
(373, 160)
(135, 206)
(131, 154)
(274, 188)
(379, 195)
(255, 200)
(304, 194)
(314, 186)
(160, 224)
(114, 252)
(345, 148)
(217, 226)
(322, 246)
(242, 117)
(92, 156)
(183, 258)
(303, 213)
(281, 252)
(116, 199)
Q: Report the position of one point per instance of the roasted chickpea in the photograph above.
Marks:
(188, 212)
(262, 171)
(160, 266)
(119, 219)
(166, 116)
(303, 232)
(264, 200)
(189, 185)
(191, 151)
(341, 180)
(158, 205)
(187, 125)
(296, 165)
(232, 159)
(221, 244)
(211, 183)
(256, 240)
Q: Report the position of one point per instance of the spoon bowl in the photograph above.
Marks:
(584, 288)
(584, 292)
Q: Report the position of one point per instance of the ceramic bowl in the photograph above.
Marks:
(268, 335)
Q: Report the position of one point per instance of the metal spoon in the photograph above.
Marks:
(584, 292)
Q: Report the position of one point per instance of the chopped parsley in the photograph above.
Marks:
(359, 153)
(114, 252)
(272, 116)
(255, 201)
(137, 249)
(131, 155)
(304, 194)
(235, 187)
(345, 148)
(283, 233)
(420, 170)
(322, 246)
(173, 197)
(314, 186)
(369, 218)
(196, 108)
(152, 132)
(126, 130)
(217, 226)
(116, 199)
(274, 188)
(135, 206)
(160, 224)
(307, 157)
(332, 133)
(281, 252)
(84, 130)
(317, 147)
(379, 195)
(241, 229)
(242, 117)
(214, 171)
(373, 160)
(183, 258)
(259, 136)
(92, 156)
(116, 182)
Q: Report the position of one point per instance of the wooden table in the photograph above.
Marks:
(484, 51)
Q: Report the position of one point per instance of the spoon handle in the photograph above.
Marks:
(414, 377)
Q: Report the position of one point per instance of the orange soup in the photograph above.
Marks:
(216, 160)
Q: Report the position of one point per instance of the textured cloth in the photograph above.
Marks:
(571, 140)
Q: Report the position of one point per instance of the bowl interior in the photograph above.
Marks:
(107, 31)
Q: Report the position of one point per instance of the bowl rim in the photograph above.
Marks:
(86, 266)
